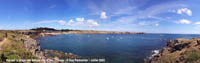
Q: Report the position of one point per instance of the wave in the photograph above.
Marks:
(154, 53)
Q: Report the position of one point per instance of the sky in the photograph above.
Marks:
(151, 16)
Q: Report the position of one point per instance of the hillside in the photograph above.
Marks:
(52, 30)
(22, 47)
(179, 51)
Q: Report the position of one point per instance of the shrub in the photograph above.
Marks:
(193, 57)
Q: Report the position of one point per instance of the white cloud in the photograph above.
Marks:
(62, 22)
(150, 12)
(184, 11)
(92, 23)
(80, 19)
(103, 15)
(183, 21)
(128, 18)
(79, 22)
(198, 23)
(70, 22)
(157, 24)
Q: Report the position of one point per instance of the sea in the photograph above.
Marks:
(114, 48)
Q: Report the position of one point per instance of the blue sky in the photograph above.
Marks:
(152, 16)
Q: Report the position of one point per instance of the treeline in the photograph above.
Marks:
(46, 29)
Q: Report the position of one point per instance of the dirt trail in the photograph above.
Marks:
(2, 42)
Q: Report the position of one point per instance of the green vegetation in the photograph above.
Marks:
(1, 36)
(180, 51)
(14, 48)
(193, 57)
(46, 29)
(14, 45)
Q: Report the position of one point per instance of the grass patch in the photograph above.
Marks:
(1, 36)
(193, 57)
(14, 49)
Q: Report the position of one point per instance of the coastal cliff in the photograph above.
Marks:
(179, 51)
(34, 47)
(24, 47)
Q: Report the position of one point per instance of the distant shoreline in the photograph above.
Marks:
(89, 32)
(42, 31)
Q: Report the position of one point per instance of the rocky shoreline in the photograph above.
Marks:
(27, 38)
(33, 46)
(179, 51)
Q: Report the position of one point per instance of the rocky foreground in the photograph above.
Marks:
(20, 47)
(33, 46)
(179, 51)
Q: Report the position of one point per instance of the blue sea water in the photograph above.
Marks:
(115, 48)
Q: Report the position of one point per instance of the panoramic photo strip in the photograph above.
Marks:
(99, 31)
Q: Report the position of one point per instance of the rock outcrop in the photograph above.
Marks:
(179, 51)
(33, 46)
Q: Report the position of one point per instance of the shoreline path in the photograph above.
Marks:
(2, 42)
